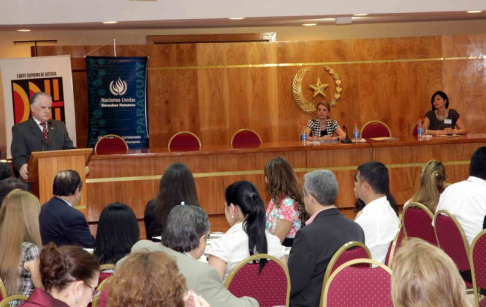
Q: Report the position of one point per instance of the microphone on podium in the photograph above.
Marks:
(346, 140)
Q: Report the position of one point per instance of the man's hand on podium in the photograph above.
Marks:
(24, 172)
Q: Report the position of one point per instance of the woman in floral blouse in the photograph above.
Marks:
(286, 212)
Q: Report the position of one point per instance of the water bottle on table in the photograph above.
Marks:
(356, 132)
(303, 135)
(420, 130)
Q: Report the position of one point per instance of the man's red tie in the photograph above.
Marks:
(44, 131)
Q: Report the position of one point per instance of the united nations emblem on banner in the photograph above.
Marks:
(118, 87)
(24, 89)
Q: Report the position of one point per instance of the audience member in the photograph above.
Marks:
(431, 185)
(184, 238)
(19, 243)
(245, 212)
(176, 185)
(147, 279)
(466, 200)
(423, 275)
(117, 232)
(10, 184)
(315, 244)
(69, 275)
(5, 171)
(59, 221)
(285, 212)
(379, 218)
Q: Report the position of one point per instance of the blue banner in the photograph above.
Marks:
(117, 98)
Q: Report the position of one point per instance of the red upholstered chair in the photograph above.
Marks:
(270, 288)
(3, 291)
(245, 138)
(452, 240)
(478, 266)
(417, 223)
(184, 141)
(111, 144)
(394, 246)
(106, 270)
(415, 129)
(375, 129)
(356, 286)
(102, 291)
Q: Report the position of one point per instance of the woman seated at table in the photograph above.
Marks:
(245, 212)
(322, 126)
(286, 212)
(441, 119)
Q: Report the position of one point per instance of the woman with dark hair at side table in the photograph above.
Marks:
(245, 212)
(117, 232)
(176, 185)
(69, 275)
(286, 212)
(441, 119)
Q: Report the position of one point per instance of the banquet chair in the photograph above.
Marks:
(452, 240)
(417, 222)
(245, 138)
(394, 246)
(271, 287)
(100, 300)
(478, 266)
(415, 129)
(375, 129)
(356, 286)
(17, 297)
(349, 251)
(3, 290)
(111, 144)
(184, 141)
(106, 270)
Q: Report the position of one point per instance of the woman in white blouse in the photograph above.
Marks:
(245, 212)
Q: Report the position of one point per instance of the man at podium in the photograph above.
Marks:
(39, 133)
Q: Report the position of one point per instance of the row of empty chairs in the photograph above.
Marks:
(443, 230)
(181, 141)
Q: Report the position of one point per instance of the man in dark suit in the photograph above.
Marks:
(315, 244)
(59, 221)
(39, 133)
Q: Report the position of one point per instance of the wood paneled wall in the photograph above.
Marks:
(216, 89)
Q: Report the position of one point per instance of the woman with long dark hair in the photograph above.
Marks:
(286, 211)
(176, 185)
(117, 232)
(245, 212)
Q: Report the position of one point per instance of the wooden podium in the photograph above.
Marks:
(44, 166)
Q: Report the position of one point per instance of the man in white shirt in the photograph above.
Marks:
(378, 218)
(466, 200)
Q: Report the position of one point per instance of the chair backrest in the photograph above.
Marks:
(184, 141)
(106, 270)
(349, 251)
(415, 129)
(394, 246)
(3, 290)
(356, 286)
(245, 138)
(375, 129)
(417, 223)
(451, 239)
(110, 144)
(271, 287)
(100, 300)
(17, 297)
(478, 264)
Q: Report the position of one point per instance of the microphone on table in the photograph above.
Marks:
(346, 140)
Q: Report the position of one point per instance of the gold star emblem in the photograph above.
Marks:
(319, 88)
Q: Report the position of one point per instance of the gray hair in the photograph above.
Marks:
(185, 226)
(36, 96)
(322, 185)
